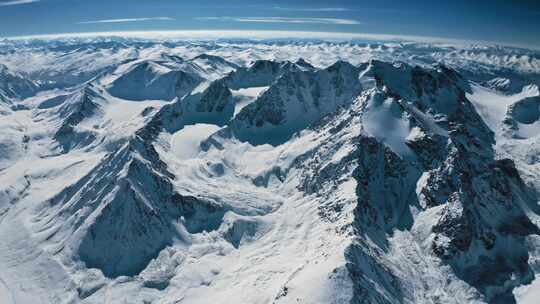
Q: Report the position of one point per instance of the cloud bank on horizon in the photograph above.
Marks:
(514, 23)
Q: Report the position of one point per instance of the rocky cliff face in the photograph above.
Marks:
(295, 100)
(263, 72)
(212, 103)
(120, 215)
(423, 148)
(78, 107)
(481, 197)
(14, 85)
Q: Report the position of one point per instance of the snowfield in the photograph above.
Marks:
(186, 142)
(273, 171)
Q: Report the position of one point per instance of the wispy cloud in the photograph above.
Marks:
(282, 20)
(306, 9)
(127, 20)
(17, 2)
(343, 9)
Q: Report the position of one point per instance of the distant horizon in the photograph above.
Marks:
(515, 23)
(209, 35)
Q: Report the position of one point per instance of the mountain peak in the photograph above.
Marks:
(148, 80)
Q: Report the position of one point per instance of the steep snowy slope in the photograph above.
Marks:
(177, 173)
(514, 119)
(263, 72)
(294, 101)
(75, 111)
(212, 67)
(479, 198)
(14, 86)
(150, 80)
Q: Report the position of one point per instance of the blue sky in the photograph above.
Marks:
(507, 22)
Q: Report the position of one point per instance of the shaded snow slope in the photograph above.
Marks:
(14, 86)
(150, 80)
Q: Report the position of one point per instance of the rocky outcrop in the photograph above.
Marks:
(263, 73)
(294, 101)
(15, 86)
(212, 104)
(481, 197)
(119, 216)
(80, 106)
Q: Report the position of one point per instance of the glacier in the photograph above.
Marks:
(138, 170)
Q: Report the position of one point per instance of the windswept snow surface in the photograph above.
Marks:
(245, 96)
(186, 142)
(273, 171)
(493, 105)
(529, 294)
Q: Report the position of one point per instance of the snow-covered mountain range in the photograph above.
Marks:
(228, 171)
